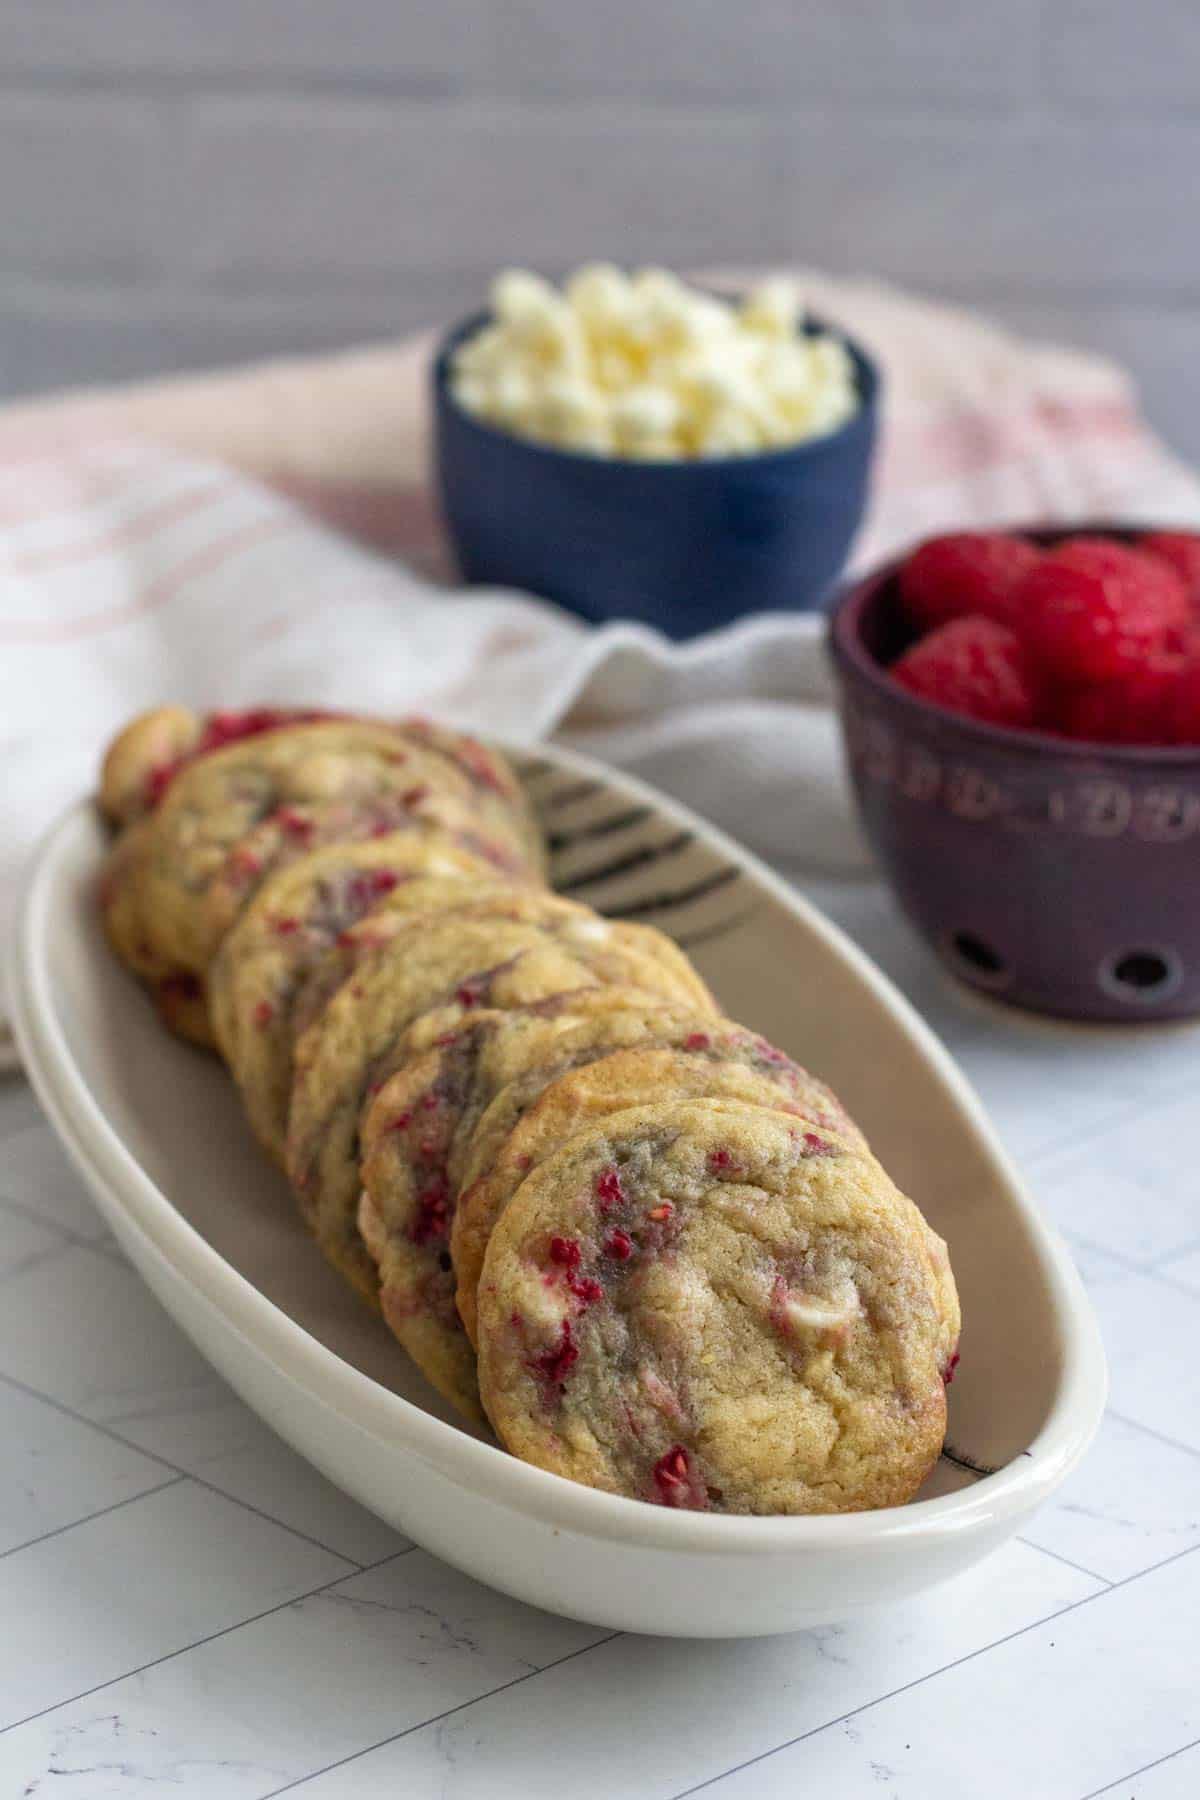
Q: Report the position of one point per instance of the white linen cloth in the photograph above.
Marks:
(176, 541)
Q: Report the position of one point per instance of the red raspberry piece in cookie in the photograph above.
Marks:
(965, 573)
(1093, 608)
(1181, 549)
(972, 666)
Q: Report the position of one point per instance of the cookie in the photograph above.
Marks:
(537, 948)
(295, 831)
(293, 921)
(715, 1307)
(670, 975)
(145, 757)
(591, 1075)
(415, 1137)
(215, 801)
(179, 995)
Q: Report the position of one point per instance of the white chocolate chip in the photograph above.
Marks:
(646, 368)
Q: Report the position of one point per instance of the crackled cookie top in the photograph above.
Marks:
(295, 919)
(217, 800)
(415, 1136)
(145, 757)
(152, 750)
(510, 955)
(294, 832)
(715, 1306)
(601, 1067)
(636, 955)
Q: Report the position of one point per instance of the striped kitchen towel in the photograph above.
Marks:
(232, 538)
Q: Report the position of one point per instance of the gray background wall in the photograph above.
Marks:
(183, 181)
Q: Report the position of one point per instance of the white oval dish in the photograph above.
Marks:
(156, 1132)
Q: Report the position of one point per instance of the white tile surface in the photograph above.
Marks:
(1134, 1502)
(137, 1583)
(1130, 1191)
(22, 1240)
(146, 1382)
(57, 1471)
(1175, 1777)
(226, 1648)
(653, 1717)
(1184, 1269)
(1150, 1330)
(227, 1445)
(1039, 1715)
(35, 1173)
(308, 1684)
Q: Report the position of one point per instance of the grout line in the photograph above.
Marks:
(1189, 1249)
(1076, 1240)
(159, 1487)
(20, 1210)
(437, 1718)
(35, 1258)
(1144, 1770)
(1160, 1436)
(211, 1638)
(353, 1566)
(1153, 1269)
(920, 1680)
(1079, 1569)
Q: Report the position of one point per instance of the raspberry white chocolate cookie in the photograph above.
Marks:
(675, 1058)
(178, 994)
(713, 1306)
(216, 801)
(536, 948)
(298, 831)
(415, 1136)
(294, 920)
(146, 756)
(673, 977)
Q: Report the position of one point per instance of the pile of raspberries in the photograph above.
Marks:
(1094, 638)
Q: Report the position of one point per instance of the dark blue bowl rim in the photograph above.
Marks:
(867, 374)
(845, 638)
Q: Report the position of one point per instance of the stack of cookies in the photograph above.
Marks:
(650, 1250)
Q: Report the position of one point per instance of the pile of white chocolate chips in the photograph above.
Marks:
(647, 368)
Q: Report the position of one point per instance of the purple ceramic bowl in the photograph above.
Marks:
(1057, 875)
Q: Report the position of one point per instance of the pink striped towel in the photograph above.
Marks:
(217, 540)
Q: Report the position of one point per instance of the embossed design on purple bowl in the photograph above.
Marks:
(1054, 874)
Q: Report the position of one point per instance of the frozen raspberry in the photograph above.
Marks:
(1181, 549)
(972, 666)
(968, 573)
(1093, 608)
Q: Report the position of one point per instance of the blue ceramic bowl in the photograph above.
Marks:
(685, 546)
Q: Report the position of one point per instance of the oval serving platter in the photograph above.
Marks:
(156, 1131)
